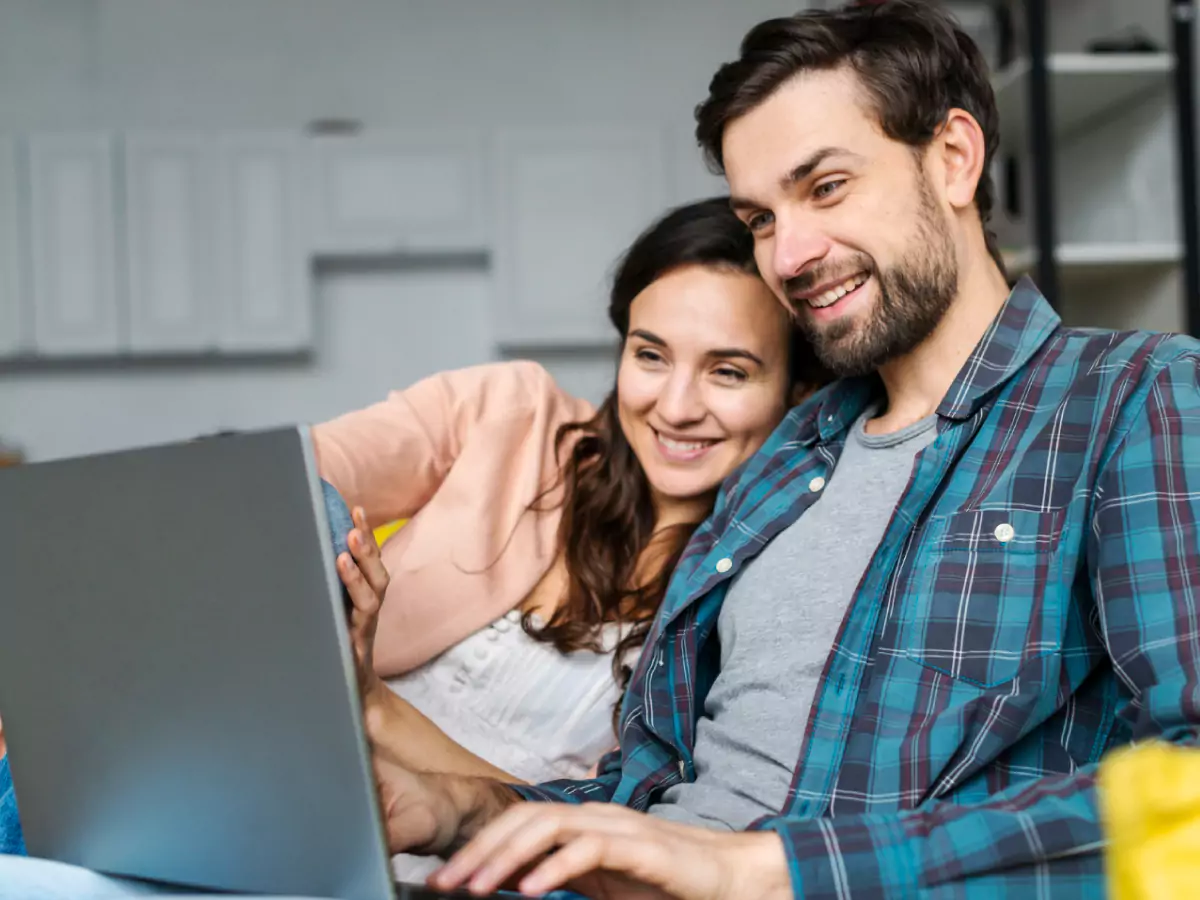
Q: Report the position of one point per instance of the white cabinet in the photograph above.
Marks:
(265, 291)
(171, 241)
(399, 192)
(569, 202)
(216, 245)
(73, 233)
(14, 319)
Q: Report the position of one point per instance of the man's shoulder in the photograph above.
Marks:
(1110, 359)
(1137, 347)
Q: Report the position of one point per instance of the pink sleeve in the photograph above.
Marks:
(392, 457)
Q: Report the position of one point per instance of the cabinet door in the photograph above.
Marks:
(265, 287)
(569, 202)
(169, 193)
(73, 232)
(14, 319)
(399, 193)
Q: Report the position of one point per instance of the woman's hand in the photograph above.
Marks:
(604, 851)
(366, 580)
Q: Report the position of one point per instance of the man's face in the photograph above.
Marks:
(849, 230)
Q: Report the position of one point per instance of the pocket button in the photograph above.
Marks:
(1004, 533)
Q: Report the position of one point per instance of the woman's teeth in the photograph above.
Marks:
(834, 294)
(683, 446)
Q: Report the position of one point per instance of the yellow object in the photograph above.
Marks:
(383, 532)
(1149, 799)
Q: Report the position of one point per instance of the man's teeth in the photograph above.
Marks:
(834, 294)
(684, 446)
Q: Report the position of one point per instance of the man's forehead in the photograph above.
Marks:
(815, 114)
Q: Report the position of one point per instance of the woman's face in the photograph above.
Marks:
(703, 379)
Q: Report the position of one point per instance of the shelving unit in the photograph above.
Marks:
(1084, 86)
(1050, 106)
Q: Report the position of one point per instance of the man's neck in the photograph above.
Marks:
(917, 382)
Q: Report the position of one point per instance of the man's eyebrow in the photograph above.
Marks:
(800, 172)
(806, 168)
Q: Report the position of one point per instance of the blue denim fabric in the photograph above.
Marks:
(10, 827)
(11, 839)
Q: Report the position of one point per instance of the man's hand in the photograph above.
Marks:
(432, 813)
(606, 851)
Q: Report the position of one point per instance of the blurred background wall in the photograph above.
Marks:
(236, 213)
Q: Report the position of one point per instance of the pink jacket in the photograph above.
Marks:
(462, 454)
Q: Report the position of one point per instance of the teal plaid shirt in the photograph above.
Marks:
(1032, 605)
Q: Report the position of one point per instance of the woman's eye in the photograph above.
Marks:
(648, 355)
(730, 374)
(826, 188)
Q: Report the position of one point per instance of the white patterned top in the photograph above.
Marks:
(517, 703)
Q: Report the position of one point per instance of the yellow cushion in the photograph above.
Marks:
(383, 532)
(1150, 808)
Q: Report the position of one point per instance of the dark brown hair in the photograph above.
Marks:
(608, 515)
(912, 58)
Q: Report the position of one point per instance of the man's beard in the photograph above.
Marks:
(914, 294)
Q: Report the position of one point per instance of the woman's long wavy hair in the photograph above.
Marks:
(608, 515)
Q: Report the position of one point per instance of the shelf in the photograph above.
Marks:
(1090, 262)
(1083, 87)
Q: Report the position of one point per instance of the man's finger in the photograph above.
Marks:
(525, 846)
(585, 854)
(471, 858)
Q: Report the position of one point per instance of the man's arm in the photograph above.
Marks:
(1144, 564)
(435, 813)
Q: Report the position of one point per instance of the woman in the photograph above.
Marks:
(544, 531)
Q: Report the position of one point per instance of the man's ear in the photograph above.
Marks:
(959, 148)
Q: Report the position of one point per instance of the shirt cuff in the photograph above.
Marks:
(854, 856)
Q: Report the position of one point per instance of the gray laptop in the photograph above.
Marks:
(176, 679)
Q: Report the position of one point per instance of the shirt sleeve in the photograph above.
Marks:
(391, 457)
(589, 790)
(1044, 837)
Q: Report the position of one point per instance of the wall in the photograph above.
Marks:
(67, 64)
(282, 63)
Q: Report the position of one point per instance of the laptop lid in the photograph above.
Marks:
(175, 672)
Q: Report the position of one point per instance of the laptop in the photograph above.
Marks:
(176, 676)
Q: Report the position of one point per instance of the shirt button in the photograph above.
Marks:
(724, 565)
(816, 484)
(1004, 533)
(682, 769)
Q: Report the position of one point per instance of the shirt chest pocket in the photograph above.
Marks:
(981, 594)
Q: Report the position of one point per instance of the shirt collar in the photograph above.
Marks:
(1019, 330)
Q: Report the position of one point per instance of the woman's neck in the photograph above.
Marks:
(671, 511)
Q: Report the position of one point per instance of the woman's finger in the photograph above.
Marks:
(364, 598)
(366, 553)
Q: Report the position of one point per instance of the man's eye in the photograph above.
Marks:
(825, 188)
(759, 221)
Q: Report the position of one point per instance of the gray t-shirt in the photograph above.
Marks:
(777, 627)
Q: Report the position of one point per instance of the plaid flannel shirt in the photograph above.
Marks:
(1032, 605)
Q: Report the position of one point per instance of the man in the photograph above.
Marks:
(992, 521)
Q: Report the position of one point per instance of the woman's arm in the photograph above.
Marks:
(391, 457)
(397, 730)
